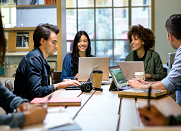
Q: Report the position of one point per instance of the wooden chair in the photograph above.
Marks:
(56, 76)
(9, 85)
(171, 57)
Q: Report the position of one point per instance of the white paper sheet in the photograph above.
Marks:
(54, 118)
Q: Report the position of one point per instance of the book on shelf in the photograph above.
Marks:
(22, 40)
(141, 93)
(58, 101)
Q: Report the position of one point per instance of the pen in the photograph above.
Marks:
(148, 106)
(46, 103)
(149, 96)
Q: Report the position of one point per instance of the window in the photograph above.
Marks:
(107, 23)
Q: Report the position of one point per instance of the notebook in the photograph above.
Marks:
(90, 79)
(86, 65)
(141, 93)
(130, 67)
(58, 101)
(119, 82)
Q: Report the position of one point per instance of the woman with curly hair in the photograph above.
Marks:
(81, 48)
(142, 40)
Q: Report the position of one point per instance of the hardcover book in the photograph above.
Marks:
(143, 93)
(58, 101)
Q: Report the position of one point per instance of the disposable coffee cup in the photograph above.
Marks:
(139, 75)
(97, 78)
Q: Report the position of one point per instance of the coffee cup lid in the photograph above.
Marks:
(97, 71)
(139, 73)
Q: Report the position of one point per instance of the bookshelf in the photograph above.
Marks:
(12, 38)
(58, 17)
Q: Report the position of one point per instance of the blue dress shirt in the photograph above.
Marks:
(173, 80)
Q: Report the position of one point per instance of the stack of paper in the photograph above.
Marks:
(54, 118)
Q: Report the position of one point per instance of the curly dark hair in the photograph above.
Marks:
(43, 31)
(75, 52)
(145, 34)
(173, 26)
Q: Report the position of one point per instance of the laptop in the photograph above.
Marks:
(130, 67)
(118, 80)
(90, 79)
(86, 65)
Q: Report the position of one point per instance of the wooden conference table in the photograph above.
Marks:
(105, 111)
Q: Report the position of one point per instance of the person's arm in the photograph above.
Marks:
(13, 120)
(139, 85)
(66, 68)
(8, 101)
(34, 115)
(152, 117)
(67, 83)
(12, 103)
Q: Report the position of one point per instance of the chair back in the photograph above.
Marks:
(171, 57)
(56, 76)
(9, 84)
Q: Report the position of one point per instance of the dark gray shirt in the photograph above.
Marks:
(9, 102)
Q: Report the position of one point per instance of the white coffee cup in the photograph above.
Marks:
(139, 75)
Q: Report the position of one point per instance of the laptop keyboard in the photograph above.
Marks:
(122, 85)
(72, 87)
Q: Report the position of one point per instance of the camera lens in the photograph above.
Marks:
(88, 87)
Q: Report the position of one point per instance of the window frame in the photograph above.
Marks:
(129, 7)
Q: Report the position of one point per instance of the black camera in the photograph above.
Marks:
(86, 87)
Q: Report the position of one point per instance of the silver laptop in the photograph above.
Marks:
(86, 65)
(90, 79)
(130, 67)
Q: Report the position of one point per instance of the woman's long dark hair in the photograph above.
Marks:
(75, 52)
(2, 42)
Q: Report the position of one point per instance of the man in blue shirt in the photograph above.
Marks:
(32, 75)
(172, 83)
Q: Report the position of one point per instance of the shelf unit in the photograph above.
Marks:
(20, 53)
(61, 21)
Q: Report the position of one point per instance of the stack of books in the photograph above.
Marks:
(141, 93)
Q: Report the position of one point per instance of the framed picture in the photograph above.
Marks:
(22, 40)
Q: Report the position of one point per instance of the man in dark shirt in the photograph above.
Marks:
(32, 75)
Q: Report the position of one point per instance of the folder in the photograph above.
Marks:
(58, 101)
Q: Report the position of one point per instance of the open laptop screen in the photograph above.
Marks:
(118, 78)
(130, 67)
(86, 65)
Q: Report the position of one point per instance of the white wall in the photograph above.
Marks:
(164, 9)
